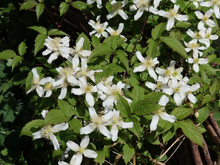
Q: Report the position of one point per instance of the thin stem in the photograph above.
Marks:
(50, 15)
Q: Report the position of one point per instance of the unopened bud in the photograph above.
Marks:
(191, 105)
(197, 114)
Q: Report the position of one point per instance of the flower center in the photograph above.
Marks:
(115, 33)
(167, 72)
(35, 81)
(172, 13)
(159, 111)
(215, 2)
(197, 36)
(65, 72)
(48, 86)
(149, 62)
(176, 90)
(81, 150)
(196, 60)
(47, 131)
(205, 18)
(207, 35)
(159, 85)
(88, 88)
(116, 6)
(175, 73)
(55, 43)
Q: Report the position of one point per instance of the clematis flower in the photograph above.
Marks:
(195, 35)
(97, 122)
(78, 51)
(205, 19)
(59, 46)
(86, 88)
(189, 94)
(141, 6)
(116, 8)
(207, 36)
(99, 28)
(116, 122)
(48, 87)
(148, 63)
(172, 14)
(48, 131)
(195, 2)
(81, 150)
(192, 45)
(196, 61)
(37, 82)
(215, 4)
(160, 84)
(159, 113)
(116, 32)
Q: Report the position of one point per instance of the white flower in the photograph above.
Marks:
(172, 14)
(148, 63)
(72, 161)
(160, 84)
(205, 19)
(99, 29)
(37, 82)
(97, 122)
(195, 2)
(59, 46)
(48, 131)
(159, 113)
(81, 150)
(78, 51)
(116, 32)
(206, 34)
(141, 6)
(192, 45)
(196, 61)
(197, 36)
(86, 88)
(178, 89)
(189, 94)
(99, 3)
(48, 87)
(215, 4)
(116, 122)
(116, 8)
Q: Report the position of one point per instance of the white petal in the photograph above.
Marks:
(196, 67)
(90, 153)
(73, 146)
(55, 142)
(167, 117)
(37, 135)
(87, 129)
(198, 14)
(210, 23)
(114, 132)
(203, 61)
(180, 17)
(40, 91)
(163, 100)
(138, 14)
(53, 57)
(62, 93)
(60, 127)
(77, 91)
(123, 14)
(90, 99)
(78, 159)
(127, 124)
(150, 85)
(154, 122)
(152, 73)
(170, 23)
(194, 87)
(79, 44)
(177, 98)
(85, 142)
(139, 68)
(105, 131)
(85, 53)
(46, 52)
(192, 98)
(44, 113)
(62, 163)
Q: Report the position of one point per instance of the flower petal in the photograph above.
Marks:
(154, 122)
(60, 127)
(90, 153)
(167, 117)
(85, 142)
(73, 146)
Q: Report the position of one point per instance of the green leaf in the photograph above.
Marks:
(136, 129)
(163, 126)
(28, 129)
(39, 10)
(205, 77)
(211, 58)
(54, 117)
(168, 135)
(123, 58)
(28, 5)
(158, 30)
(203, 114)
(208, 68)
(214, 88)
(95, 41)
(144, 107)
(101, 49)
(195, 79)
(39, 42)
(39, 29)
(150, 138)
(66, 108)
(207, 98)
(79, 5)
(22, 48)
(192, 132)
(175, 34)
(123, 106)
(100, 158)
(183, 24)
(138, 93)
(6, 54)
(128, 153)
(15, 62)
(75, 124)
(152, 48)
(154, 96)
(181, 113)
(63, 8)
(217, 60)
(56, 32)
(86, 43)
(175, 45)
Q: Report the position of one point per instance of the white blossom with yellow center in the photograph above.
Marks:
(57, 45)
(207, 36)
(192, 45)
(81, 150)
(99, 28)
(195, 2)
(116, 9)
(205, 19)
(147, 63)
(116, 32)
(171, 15)
(159, 85)
(97, 122)
(215, 4)
(159, 113)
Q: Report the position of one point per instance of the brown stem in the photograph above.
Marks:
(206, 153)
(150, 159)
(214, 124)
(212, 133)
(117, 158)
(196, 154)
(188, 155)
